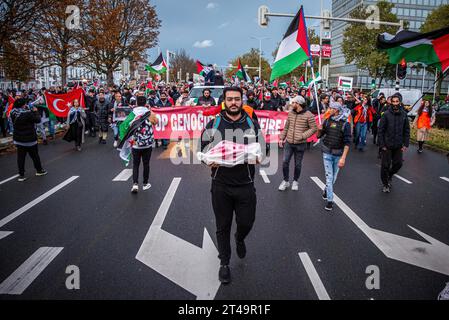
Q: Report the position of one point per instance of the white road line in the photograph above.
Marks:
(18, 212)
(20, 279)
(6, 180)
(313, 276)
(4, 234)
(445, 179)
(124, 175)
(403, 179)
(264, 176)
(398, 176)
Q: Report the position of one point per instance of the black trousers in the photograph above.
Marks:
(91, 123)
(78, 136)
(391, 163)
(225, 201)
(3, 126)
(21, 154)
(145, 156)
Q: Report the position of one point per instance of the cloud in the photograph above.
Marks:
(224, 25)
(203, 44)
(211, 5)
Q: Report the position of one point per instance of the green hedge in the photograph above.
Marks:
(439, 138)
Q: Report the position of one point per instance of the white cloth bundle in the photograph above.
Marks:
(229, 154)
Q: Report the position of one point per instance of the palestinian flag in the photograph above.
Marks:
(202, 69)
(430, 48)
(241, 73)
(10, 105)
(318, 79)
(158, 66)
(294, 49)
(302, 81)
(127, 129)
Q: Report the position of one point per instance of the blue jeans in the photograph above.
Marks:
(361, 129)
(331, 169)
(289, 151)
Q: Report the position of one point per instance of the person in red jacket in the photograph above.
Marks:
(363, 117)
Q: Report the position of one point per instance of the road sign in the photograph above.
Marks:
(315, 50)
(345, 83)
(326, 50)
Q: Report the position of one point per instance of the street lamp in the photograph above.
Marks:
(260, 53)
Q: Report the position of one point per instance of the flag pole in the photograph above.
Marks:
(316, 95)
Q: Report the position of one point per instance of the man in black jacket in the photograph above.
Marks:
(90, 100)
(394, 137)
(206, 99)
(232, 187)
(25, 138)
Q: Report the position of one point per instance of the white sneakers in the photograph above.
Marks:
(285, 184)
(295, 186)
(135, 187)
(115, 143)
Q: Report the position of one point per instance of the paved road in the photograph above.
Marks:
(295, 251)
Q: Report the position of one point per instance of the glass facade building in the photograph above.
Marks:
(414, 12)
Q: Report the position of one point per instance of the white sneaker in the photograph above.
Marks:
(284, 185)
(115, 144)
(146, 186)
(86, 132)
(135, 188)
(295, 186)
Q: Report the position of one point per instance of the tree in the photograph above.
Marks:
(437, 19)
(17, 17)
(301, 70)
(359, 42)
(16, 62)
(54, 43)
(181, 61)
(116, 30)
(251, 59)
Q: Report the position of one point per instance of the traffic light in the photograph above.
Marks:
(401, 71)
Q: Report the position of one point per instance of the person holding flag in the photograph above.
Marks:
(76, 121)
(137, 139)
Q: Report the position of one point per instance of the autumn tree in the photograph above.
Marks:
(54, 39)
(181, 61)
(251, 59)
(16, 62)
(359, 42)
(116, 30)
(437, 19)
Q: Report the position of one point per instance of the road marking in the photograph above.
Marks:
(18, 212)
(398, 176)
(313, 276)
(190, 267)
(4, 234)
(403, 179)
(432, 255)
(445, 179)
(6, 180)
(124, 175)
(264, 176)
(20, 279)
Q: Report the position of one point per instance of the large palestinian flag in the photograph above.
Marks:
(430, 48)
(241, 73)
(294, 49)
(202, 69)
(159, 66)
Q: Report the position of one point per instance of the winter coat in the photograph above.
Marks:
(394, 129)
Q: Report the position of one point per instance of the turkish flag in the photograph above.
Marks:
(60, 104)
(10, 105)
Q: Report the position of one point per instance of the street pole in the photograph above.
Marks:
(435, 86)
(423, 78)
(168, 66)
(321, 36)
(260, 59)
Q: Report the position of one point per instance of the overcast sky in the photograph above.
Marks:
(215, 31)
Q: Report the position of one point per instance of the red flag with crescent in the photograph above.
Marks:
(60, 104)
